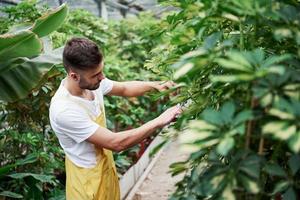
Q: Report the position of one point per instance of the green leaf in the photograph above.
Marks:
(212, 116)
(275, 59)
(157, 148)
(224, 78)
(20, 27)
(232, 78)
(280, 186)
(255, 57)
(212, 40)
(197, 155)
(50, 21)
(298, 37)
(289, 194)
(5, 169)
(230, 17)
(242, 117)
(183, 70)
(23, 44)
(194, 135)
(280, 129)
(177, 168)
(275, 170)
(228, 193)
(275, 70)
(294, 142)
(239, 57)
(215, 183)
(227, 112)
(11, 194)
(202, 125)
(282, 33)
(19, 76)
(40, 177)
(251, 166)
(225, 146)
(281, 114)
(31, 158)
(58, 194)
(249, 184)
(192, 54)
(294, 163)
(229, 64)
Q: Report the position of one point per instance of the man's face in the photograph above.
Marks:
(91, 79)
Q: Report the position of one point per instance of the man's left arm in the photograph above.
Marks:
(138, 88)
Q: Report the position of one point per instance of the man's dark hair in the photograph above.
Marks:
(82, 54)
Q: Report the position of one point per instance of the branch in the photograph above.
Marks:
(250, 125)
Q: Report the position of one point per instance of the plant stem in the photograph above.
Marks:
(250, 125)
(248, 136)
(261, 146)
(241, 37)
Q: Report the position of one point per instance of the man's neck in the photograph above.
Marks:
(74, 88)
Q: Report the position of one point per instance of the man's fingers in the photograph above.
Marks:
(168, 84)
(171, 114)
(171, 84)
(176, 110)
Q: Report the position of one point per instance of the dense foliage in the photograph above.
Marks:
(238, 62)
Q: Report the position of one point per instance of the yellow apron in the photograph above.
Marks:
(97, 183)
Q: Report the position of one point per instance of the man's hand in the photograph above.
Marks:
(163, 85)
(168, 116)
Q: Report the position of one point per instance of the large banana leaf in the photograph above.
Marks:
(20, 75)
(25, 26)
(22, 44)
(50, 21)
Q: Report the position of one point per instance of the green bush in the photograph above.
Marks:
(238, 62)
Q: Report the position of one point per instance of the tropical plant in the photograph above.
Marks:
(238, 62)
(21, 59)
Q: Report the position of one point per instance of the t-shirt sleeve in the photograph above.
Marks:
(106, 86)
(76, 125)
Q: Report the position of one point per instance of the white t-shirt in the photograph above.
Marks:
(72, 123)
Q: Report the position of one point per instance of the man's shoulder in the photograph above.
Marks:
(61, 103)
(65, 111)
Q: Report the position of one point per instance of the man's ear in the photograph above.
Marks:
(74, 76)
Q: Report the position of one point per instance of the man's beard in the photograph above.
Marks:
(84, 85)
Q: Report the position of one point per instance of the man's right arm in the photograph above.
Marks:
(125, 139)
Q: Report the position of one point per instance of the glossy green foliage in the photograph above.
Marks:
(21, 70)
(238, 63)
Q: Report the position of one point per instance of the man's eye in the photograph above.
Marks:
(97, 75)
